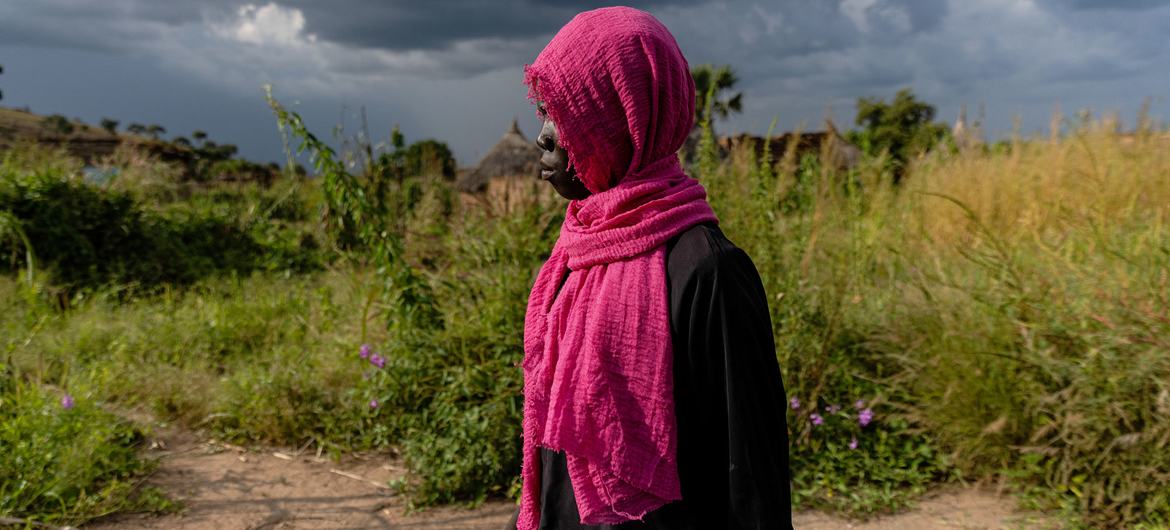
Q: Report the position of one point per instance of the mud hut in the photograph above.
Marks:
(513, 162)
(842, 154)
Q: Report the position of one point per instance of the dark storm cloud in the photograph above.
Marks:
(452, 69)
(755, 36)
(824, 47)
(380, 24)
(108, 25)
(413, 25)
(925, 15)
(1116, 4)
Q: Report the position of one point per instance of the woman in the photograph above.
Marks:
(652, 394)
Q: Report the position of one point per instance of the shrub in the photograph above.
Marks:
(58, 124)
(65, 459)
(904, 128)
(86, 236)
(1002, 315)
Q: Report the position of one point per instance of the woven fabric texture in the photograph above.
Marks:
(598, 358)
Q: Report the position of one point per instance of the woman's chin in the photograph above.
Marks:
(566, 194)
(567, 187)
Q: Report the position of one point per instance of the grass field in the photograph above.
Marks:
(1003, 314)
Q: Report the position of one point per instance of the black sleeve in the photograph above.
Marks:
(729, 397)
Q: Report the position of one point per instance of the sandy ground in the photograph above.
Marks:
(224, 487)
(968, 508)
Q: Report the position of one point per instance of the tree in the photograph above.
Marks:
(429, 157)
(155, 131)
(226, 151)
(421, 158)
(397, 139)
(136, 128)
(111, 126)
(904, 128)
(182, 141)
(58, 124)
(199, 136)
(721, 80)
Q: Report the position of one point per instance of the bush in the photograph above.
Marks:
(904, 129)
(58, 124)
(86, 236)
(67, 462)
(810, 232)
(1002, 315)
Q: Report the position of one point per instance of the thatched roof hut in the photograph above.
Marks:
(514, 156)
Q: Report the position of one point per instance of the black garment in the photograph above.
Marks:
(729, 400)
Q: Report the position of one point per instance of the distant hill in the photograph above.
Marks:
(84, 141)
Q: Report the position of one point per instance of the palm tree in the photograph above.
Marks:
(715, 82)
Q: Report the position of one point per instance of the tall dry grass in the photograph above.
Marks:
(1038, 332)
(1005, 314)
(1012, 303)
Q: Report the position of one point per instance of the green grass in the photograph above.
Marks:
(273, 358)
(68, 465)
(1004, 314)
(110, 236)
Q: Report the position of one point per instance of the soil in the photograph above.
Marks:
(225, 487)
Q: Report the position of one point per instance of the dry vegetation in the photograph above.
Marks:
(1004, 314)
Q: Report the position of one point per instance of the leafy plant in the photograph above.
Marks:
(718, 81)
(1002, 314)
(66, 460)
(357, 216)
(903, 127)
(85, 237)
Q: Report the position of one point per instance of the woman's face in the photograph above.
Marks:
(554, 162)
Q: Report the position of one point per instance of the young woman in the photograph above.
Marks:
(652, 394)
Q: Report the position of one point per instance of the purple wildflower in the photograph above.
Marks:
(378, 360)
(794, 403)
(860, 404)
(865, 417)
(853, 443)
(365, 351)
(816, 419)
(66, 402)
(373, 403)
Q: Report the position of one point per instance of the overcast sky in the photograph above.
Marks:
(452, 69)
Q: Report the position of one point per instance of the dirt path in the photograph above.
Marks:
(955, 509)
(224, 487)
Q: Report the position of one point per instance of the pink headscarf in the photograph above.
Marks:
(598, 381)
